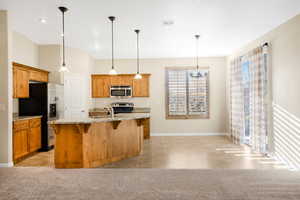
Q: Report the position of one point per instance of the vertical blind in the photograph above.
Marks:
(187, 93)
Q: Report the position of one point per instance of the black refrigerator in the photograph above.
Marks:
(37, 104)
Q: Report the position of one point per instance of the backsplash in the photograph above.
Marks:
(15, 105)
(138, 102)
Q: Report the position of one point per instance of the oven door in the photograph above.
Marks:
(118, 92)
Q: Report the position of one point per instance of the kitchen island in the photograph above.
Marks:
(92, 142)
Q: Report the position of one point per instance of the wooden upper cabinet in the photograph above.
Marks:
(22, 74)
(127, 80)
(122, 79)
(141, 87)
(20, 83)
(101, 84)
(115, 80)
(38, 76)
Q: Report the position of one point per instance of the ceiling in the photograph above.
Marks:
(224, 25)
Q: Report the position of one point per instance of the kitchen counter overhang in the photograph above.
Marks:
(90, 120)
(93, 142)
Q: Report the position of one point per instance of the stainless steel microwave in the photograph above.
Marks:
(120, 91)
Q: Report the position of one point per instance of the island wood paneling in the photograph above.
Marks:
(87, 146)
(146, 127)
(68, 147)
(97, 145)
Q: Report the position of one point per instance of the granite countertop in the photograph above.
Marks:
(18, 118)
(135, 110)
(90, 120)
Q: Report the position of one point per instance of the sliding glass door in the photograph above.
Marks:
(246, 92)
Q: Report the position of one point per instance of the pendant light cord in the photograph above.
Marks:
(112, 44)
(63, 25)
(138, 50)
(197, 50)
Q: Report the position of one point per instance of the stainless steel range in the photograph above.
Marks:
(122, 107)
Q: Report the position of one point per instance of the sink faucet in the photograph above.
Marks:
(110, 109)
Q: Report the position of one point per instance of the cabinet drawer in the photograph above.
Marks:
(21, 125)
(35, 122)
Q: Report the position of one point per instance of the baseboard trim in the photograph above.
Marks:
(189, 134)
(11, 164)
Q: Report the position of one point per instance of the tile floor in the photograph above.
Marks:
(193, 152)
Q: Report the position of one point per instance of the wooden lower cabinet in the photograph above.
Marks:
(34, 139)
(20, 139)
(26, 137)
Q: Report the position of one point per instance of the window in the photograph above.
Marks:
(187, 93)
(246, 92)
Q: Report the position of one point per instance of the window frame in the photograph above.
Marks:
(187, 116)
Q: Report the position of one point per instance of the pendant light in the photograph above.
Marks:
(138, 75)
(63, 67)
(197, 73)
(112, 71)
(197, 50)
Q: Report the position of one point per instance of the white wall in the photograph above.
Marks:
(26, 52)
(5, 91)
(78, 62)
(156, 67)
(50, 60)
(49, 57)
(285, 48)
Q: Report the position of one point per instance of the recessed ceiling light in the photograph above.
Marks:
(43, 20)
(168, 22)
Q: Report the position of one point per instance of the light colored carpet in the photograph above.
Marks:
(144, 184)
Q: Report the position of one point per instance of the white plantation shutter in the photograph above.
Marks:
(198, 93)
(177, 84)
(187, 95)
